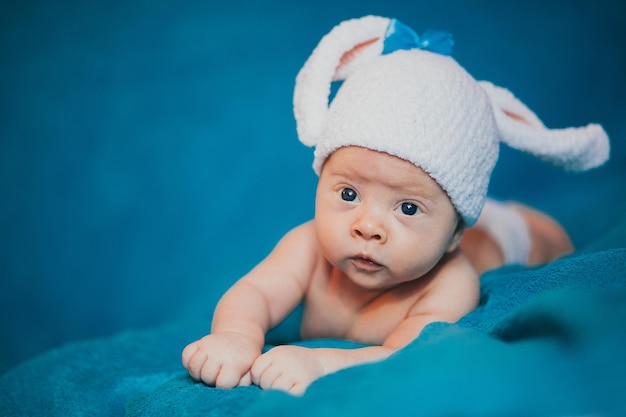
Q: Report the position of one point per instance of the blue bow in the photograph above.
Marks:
(401, 37)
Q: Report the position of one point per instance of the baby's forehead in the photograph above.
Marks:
(369, 164)
(359, 156)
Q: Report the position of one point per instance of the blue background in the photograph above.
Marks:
(148, 154)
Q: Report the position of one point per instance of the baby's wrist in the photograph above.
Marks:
(255, 339)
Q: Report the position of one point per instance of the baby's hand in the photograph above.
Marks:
(287, 368)
(222, 360)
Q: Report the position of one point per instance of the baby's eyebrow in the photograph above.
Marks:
(415, 191)
(343, 177)
(413, 187)
(408, 189)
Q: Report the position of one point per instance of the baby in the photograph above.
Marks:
(404, 153)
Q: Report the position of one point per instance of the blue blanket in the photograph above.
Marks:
(118, 232)
(544, 341)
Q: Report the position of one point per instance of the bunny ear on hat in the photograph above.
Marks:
(347, 46)
(573, 149)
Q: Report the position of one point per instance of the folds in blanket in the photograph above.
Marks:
(519, 303)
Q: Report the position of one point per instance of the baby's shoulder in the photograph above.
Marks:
(295, 257)
(300, 246)
(454, 290)
(301, 237)
(457, 268)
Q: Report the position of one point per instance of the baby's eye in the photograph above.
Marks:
(409, 209)
(348, 194)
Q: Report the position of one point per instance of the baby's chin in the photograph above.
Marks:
(380, 281)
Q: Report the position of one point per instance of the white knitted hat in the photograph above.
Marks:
(398, 97)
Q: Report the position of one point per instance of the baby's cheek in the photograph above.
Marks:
(330, 246)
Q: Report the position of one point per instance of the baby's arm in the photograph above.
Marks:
(293, 368)
(256, 303)
(223, 358)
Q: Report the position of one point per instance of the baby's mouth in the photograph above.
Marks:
(365, 263)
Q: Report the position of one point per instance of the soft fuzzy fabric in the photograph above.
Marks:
(424, 107)
(544, 341)
(508, 228)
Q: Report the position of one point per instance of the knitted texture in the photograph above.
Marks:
(425, 108)
(428, 119)
(572, 148)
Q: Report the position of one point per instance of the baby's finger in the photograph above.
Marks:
(283, 382)
(196, 363)
(297, 389)
(246, 379)
(188, 352)
(258, 368)
(210, 371)
(227, 377)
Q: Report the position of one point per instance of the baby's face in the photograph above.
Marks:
(380, 219)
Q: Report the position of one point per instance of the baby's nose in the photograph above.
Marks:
(369, 228)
